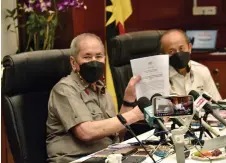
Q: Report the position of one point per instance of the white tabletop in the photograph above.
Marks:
(169, 159)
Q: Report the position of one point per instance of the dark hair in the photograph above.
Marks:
(168, 32)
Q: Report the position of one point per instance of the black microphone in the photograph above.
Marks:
(142, 104)
(203, 123)
(207, 97)
(208, 108)
(154, 95)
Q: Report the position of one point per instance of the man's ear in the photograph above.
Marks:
(190, 47)
(74, 64)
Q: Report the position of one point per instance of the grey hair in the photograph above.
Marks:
(75, 43)
(169, 31)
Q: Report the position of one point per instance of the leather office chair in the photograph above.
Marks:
(121, 50)
(26, 84)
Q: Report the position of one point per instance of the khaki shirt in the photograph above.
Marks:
(72, 102)
(198, 79)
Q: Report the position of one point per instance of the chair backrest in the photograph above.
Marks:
(26, 83)
(129, 46)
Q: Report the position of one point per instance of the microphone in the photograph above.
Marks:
(155, 95)
(208, 108)
(180, 122)
(146, 107)
(206, 125)
(123, 121)
(207, 97)
(177, 120)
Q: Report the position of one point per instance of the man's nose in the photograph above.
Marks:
(94, 58)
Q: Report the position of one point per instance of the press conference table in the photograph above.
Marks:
(169, 159)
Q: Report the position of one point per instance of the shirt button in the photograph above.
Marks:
(186, 87)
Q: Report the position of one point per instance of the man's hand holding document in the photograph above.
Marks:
(154, 72)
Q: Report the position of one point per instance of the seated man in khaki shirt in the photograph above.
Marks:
(81, 116)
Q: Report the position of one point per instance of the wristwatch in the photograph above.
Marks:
(129, 104)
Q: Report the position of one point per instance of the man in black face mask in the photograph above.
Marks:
(185, 74)
(81, 117)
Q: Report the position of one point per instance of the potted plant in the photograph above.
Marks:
(41, 20)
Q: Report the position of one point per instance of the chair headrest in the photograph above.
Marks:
(134, 45)
(34, 71)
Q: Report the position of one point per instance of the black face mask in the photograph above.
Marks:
(91, 71)
(179, 60)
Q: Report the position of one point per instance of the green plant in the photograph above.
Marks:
(41, 21)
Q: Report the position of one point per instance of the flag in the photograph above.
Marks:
(117, 12)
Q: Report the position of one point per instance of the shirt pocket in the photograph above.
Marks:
(93, 107)
(96, 113)
(110, 112)
(199, 88)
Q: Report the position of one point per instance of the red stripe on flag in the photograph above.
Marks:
(121, 28)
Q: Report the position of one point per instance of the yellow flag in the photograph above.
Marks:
(121, 10)
(117, 12)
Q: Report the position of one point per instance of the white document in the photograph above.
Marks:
(154, 72)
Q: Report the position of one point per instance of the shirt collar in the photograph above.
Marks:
(101, 87)
(173, 72)
(80, 83)
(84, 85)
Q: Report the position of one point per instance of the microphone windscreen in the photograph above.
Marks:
(194, 94)
(206, 96)
(154, 95)
(143, 102)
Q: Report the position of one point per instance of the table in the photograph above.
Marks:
(169, 159)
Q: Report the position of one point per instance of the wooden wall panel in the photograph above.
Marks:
(217, 67)
(6, 155)
(164, 14)
(152, 14)
(3, 143)
(91, 20)
(64, 33)
(159, 10)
